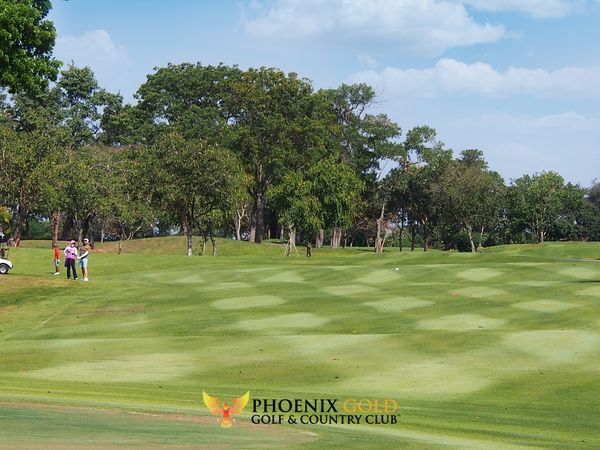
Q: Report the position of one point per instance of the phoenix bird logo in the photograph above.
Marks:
(215, 407)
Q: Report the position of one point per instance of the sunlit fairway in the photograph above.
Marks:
(494, 350)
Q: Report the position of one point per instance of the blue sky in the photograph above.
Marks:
(518, 79)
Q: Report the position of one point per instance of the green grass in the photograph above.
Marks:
(494, 350)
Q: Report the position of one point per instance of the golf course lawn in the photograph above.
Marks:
(493, 350)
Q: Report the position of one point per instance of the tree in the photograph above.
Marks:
(363, 139)
(470, 195)
(123, 208)
(84, 105)
(26, 44)
(337, 188)
(298, 207)
(274, 131)
(27, 165)
(426, 160)
(81, 185)
(536, 202)
(190, 179)
(241, 202)
(591, 213)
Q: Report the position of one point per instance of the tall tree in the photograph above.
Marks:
(364, 139)
(272, 131)
(26, 44)
(536, 202)
(298, 207)
(337, 188)
(27, 163)
(84, 104)
(123, 208)
(190, 179)
(469, 195)
(425, 161)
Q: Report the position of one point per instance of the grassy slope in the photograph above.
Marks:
(480, 351)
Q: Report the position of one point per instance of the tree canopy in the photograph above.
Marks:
(26, 44)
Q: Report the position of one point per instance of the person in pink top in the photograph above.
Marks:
(71, 254)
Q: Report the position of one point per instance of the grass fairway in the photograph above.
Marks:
(495, 350)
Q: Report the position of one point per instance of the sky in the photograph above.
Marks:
(517, 79)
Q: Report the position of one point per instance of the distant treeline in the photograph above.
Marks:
(257, 154)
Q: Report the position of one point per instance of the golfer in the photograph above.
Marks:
(70, 257)
(83, 257)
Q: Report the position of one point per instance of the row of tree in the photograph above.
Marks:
(216, 150)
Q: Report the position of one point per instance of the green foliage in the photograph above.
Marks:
(190, 179)
(5, 219)
(297, 204)
(27, 170)
(26, 43)
(469, 195)
(541, 202)
(363, 139)
(122, 206)
(337, 188)
(84, 104)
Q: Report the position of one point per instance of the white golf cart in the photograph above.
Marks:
(5, 264)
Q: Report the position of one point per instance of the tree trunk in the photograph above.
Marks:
(470, 233)
(401, 232)
(187, 224)
(214, 245)
(238, 233)
(203, 246)
(240, 214)
(190, 244)
(291, 244)
(20, 221)
(425, 234)
(55, 219)
(412, 236)
(120, 245)
(379, 239)
(480, 246)
(336, 237)
(320, 238)
(257, 226)
(85, 228)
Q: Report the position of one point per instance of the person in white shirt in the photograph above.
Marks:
(83, 257)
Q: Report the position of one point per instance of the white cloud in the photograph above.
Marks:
(452, 76)
(568, 122)
(367, 61)
(96, 49)
(515, 144)
(416, 25)
(91, 48)
(540, 9)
